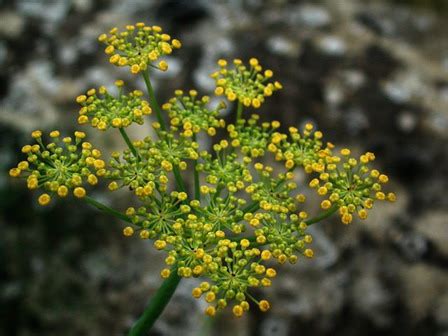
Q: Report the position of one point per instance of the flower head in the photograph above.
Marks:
(236, 268)
(138, 46)
(224, 170)
(273, 194)
(155, 160)
(351, 185)
(247, 84)
(157, 219)
(62, 166)
(284, 234)
(224, 214)
(190, 113)
(301, 149)
(102, 110)
(252, 138)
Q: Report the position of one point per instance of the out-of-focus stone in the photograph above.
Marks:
(371, 298)
(11, 24)
(422, 286)
(434, 226)
(283, 46)
(51, 13)
(275, 326)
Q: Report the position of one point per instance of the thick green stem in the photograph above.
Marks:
(104, 208)
(239, 112)
(197, 192)
(128, 141)
(153, 100)
(156, 305)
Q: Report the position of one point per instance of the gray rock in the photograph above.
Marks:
(11, 24)
(50, 12)
(312, 16)
(333, 45)
(372, 299)
(283, 46)
(434, 226)
(422, 287)
(275, 326)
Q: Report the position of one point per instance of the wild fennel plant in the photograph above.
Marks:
(240, 216)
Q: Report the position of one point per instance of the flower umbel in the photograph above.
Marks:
(237, 209)
(252, 137)
(234, 271)
(247, 84)
(351, 185)
(138, 46)
(304, 149)
(60, 167)
(190, 113)
(149, 170)
(102, 110)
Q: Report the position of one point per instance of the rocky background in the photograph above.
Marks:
(371, 75)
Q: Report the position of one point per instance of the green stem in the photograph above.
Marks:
(321, 216)
(156, 305)
(104, 208)
(155, 106)
(239, 112)
(197, 192)
(179, 181)
(254, 206)
(163, 295)
(128, 142)
(153, 101)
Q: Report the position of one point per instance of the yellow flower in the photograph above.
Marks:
(264, 305)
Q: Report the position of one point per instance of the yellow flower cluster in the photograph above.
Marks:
(61, 166)
(285, 234)
(138, 46)
(300, 149)
(242, 213)
(224, 170)
(102, 110)
(252, 137)
(191, 115)
(237, 268)
(148, 171)
(247, 84)
(156, 221)
(273, 194)
(351, 185)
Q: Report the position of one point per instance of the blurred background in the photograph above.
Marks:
(372, 75)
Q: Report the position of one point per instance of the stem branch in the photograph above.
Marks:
(197, 193)
(104, 208)
(155, 106)
(178, 177)
(128, 142)
(239, 112)
(321, 216)
(153, 100)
